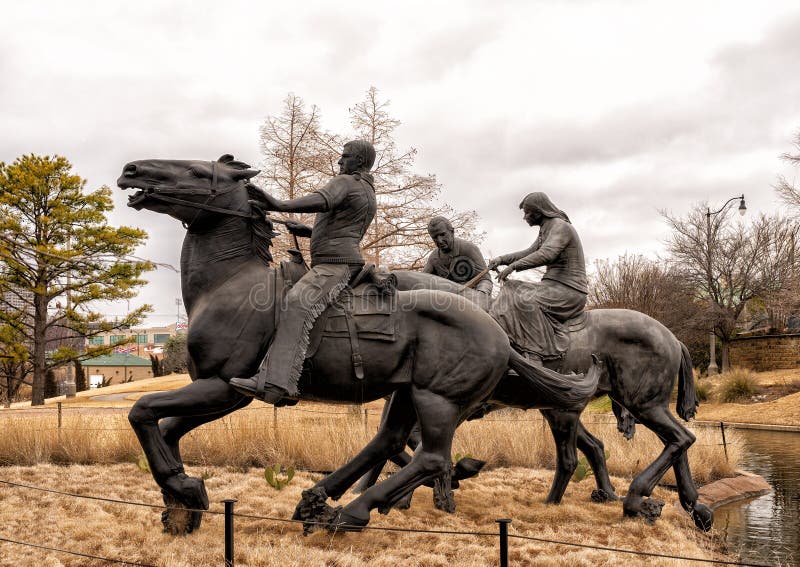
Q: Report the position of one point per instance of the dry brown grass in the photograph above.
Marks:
(133, 533)
(321, 437)
(784, 410)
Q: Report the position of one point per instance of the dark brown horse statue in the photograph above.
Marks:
(448, 355)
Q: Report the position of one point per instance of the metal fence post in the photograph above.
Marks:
(59, 415)
(503, 541)
(229, 532)
(724, 443)
(366, 418)
(275, 419)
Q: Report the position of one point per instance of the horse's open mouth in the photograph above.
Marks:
(137, 199)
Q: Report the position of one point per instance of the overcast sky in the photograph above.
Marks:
(615, 109)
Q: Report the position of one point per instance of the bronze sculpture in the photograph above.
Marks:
(534, 315)
(446, 357)
(456, 259)
(345, 207)
(640, 355)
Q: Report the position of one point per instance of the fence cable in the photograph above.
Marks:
(78, 553)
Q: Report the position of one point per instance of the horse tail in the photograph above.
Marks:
(563, 391)
(687, 397)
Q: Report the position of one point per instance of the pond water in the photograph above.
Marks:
(766, 529)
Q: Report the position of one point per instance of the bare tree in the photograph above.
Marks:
(728, 264)
(785, 188)
(398, 238)
(782, 300)
(299, 157)
(295, 158)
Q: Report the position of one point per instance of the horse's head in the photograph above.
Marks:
(200, 194)
(193, 192)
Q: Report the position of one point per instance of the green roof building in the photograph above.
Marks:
(116, 368)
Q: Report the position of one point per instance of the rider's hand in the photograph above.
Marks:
(494, 263)
(272, 204)
(298, 228)
(505, 273)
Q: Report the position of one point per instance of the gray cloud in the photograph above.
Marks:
(105, 83)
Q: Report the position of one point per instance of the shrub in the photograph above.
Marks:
(703, 390)
(738, 385)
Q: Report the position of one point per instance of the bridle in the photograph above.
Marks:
(159, 195)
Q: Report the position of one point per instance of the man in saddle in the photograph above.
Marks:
(345, 207)
(534, 315)
(455, 259)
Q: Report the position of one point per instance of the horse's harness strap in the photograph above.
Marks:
(358, 362)
(204, 206)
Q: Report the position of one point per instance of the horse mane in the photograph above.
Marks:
(261, 225)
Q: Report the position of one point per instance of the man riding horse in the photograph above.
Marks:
(455, 259)
(534, 314)
(345, 207)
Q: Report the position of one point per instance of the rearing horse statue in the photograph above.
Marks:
(448, 356)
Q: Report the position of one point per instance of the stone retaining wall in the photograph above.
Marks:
(767, 352)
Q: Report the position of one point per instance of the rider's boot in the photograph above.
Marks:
(258, 387)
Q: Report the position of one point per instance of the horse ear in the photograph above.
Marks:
(240, 174)
(225, 158)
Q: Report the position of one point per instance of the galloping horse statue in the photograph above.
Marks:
(448, 356)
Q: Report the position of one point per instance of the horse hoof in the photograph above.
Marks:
(314, 511)
(183, 514)
(703, 516)
(347, 522)
(466, 468)
(602, 496)
(650, 509)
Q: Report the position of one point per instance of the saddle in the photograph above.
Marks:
(365, 310)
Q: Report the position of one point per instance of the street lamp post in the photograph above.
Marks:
(712, 339)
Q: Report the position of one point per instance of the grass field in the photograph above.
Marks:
(134, 533)
(96, 453)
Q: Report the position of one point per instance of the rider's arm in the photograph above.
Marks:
(325, 199)
(508, 259)
(557, 239)
(312, 203)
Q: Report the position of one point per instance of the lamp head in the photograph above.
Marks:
(742, 206)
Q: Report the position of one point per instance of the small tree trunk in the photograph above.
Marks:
(39, 343)
(50, 387)
(80, 377)
(726, 355)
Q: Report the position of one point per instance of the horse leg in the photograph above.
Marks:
(210, 396)
(390, 439)
(677, 440)
(595, 453)
(702, 515)
(439, 418)
(174, 428)
(564, 427)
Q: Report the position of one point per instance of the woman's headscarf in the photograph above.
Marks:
(544, 205)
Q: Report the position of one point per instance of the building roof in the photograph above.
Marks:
(117, 359)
